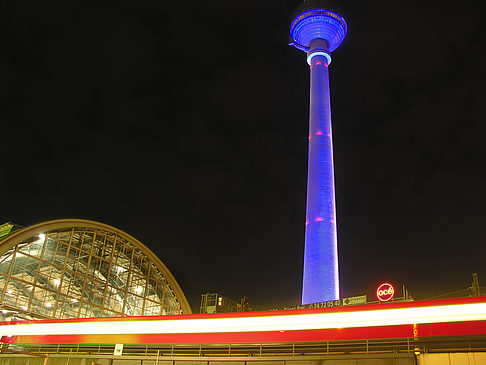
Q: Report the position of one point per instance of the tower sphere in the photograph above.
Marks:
(314, 20)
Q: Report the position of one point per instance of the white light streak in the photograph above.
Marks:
(311, 321)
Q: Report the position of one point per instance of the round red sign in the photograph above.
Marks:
(385, 292)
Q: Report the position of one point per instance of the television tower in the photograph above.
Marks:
(318, 31)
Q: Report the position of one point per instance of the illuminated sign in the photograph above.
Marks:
(355, 300)
(385, 292)
(328, 304)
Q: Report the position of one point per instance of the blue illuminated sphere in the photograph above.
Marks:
(314, 20)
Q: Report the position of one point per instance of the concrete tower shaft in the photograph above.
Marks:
(318, 31)
(321, 280)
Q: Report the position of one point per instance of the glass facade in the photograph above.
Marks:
(82, 272)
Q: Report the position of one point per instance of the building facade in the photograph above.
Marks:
(216, 303)
(73, 268)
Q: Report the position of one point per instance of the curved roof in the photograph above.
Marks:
(81, 263)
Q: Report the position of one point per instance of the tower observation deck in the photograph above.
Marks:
(318, 31)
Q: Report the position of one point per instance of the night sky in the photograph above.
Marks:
(185, 124)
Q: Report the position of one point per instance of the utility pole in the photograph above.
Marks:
(475, 292)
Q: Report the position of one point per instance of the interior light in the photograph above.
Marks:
(139, 289)
(48, 305)
(57, 282)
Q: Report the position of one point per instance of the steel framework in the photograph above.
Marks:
(82, 269)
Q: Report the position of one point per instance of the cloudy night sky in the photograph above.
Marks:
(185, 124)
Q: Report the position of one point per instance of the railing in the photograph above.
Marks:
(258, 351)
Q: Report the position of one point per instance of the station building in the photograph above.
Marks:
(73, 268)
(79, 292)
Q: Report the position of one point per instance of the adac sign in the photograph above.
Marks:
(385, 292)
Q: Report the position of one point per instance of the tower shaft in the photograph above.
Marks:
(318, 31)
(321, 277)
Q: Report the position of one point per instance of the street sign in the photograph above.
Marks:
(118, 349)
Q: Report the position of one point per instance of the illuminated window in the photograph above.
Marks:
(83, 272)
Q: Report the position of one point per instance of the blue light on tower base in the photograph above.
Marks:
(318, 31)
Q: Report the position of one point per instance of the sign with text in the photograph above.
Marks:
(361, 299)
(385, 292)
(331, 303)
(118, 349)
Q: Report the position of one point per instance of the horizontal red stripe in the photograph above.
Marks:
(422, 330)
(220, 338)
(452, 329)
(377, 306)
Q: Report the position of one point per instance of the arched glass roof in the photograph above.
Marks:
(78, 268)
